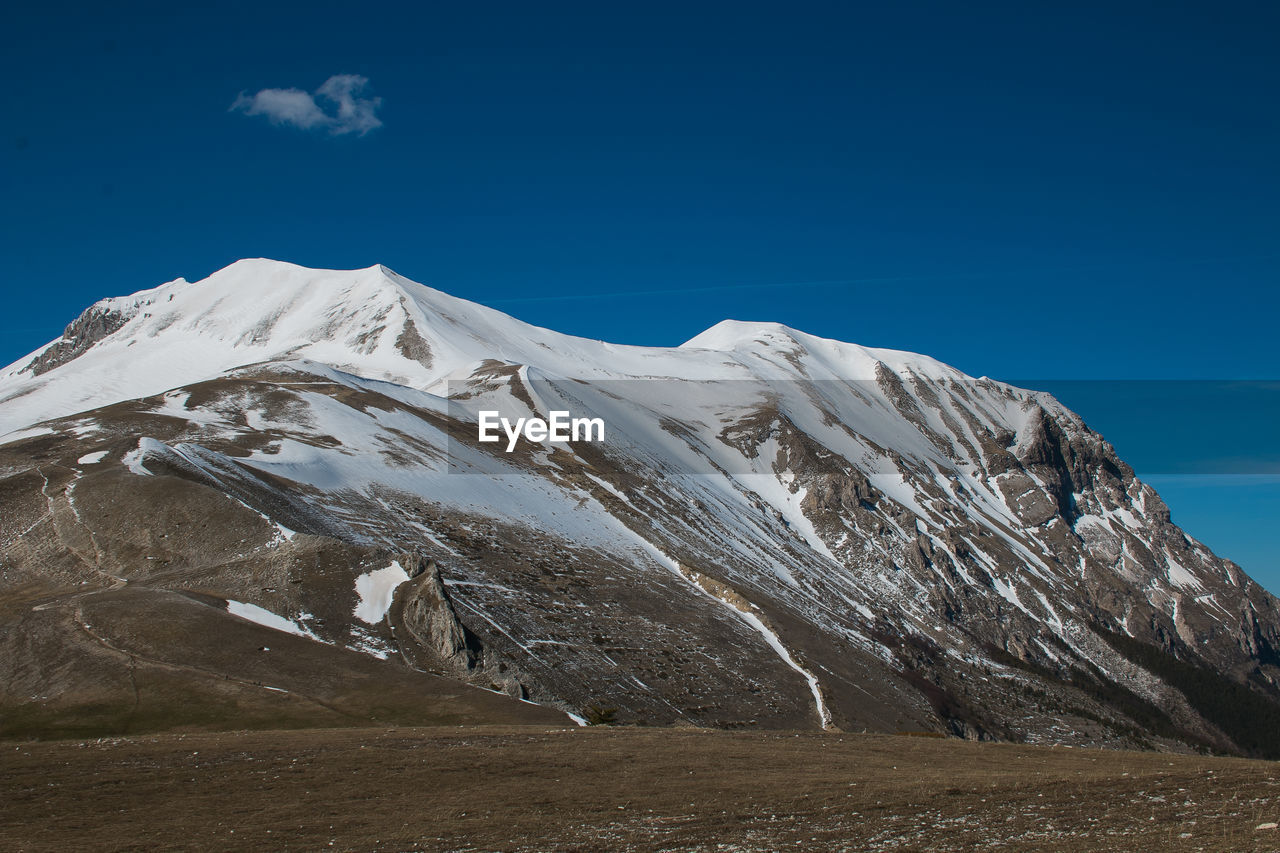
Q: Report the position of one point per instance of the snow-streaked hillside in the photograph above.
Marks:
(779, 529)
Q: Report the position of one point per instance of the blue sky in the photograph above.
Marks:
(1080, 193)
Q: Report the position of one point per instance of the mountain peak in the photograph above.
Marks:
(254, 310)
(374, 323)
(838, 359)
(733, 334)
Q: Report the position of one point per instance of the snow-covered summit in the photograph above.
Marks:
(840, 359)
(376, 324)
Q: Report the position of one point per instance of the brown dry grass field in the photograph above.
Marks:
(562, 789)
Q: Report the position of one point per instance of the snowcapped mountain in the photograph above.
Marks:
(777, 530)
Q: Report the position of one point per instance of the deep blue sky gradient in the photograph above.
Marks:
(1081, 192)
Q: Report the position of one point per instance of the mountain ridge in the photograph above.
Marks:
(429, 310)
(780, 530)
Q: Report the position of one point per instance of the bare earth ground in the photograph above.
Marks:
(539, 789)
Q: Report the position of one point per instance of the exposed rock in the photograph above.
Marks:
(835, 492)
(97, 322)
(428, 615)
(412, 345)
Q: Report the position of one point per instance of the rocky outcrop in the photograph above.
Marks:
(412, 345)
(96, 323)
(846, 491)
(427, 614)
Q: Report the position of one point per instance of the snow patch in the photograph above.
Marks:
(267, 619)
(133, 459)
(1180, 576)
(376, 589)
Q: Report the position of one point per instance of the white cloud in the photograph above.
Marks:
(335, 106)
(284, 106)
(354, 114)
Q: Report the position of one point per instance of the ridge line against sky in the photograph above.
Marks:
(1109, 170)
(605, 152)
(595, 295)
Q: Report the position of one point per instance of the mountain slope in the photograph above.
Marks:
(778, 530)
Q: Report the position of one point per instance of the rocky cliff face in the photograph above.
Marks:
(778, 530)
(96, 323)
